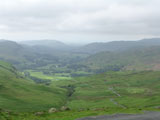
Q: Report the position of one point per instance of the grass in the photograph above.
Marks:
(139, 90)
(107, 93)
(19, 94)
(67, 115)
(57, 76)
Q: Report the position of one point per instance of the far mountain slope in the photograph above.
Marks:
(27, 57)
(118, 45)
(134, 59)
(52, 44)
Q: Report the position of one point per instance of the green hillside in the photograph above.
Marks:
(114, 91)
(24, 57)
(19, 94)
(54, 44)
(133, 59)
(113, 46)
(107, 93)
(122, 55)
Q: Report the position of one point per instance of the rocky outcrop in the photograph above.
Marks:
(64, 108)
(39, 113)
(52, 110)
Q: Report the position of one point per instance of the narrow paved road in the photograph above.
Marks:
(146, 116)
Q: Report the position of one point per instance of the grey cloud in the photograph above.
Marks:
(90, 19)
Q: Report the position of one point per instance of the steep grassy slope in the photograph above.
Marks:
(19, 94)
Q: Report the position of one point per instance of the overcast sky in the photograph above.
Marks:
(79, 20)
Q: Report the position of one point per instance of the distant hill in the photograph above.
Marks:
(52, 44)
(147, 58)
(20, 94)
(15, 53)
(115, 55)
(24, 56)
(10, 50)
(9, 47)
(118, 45)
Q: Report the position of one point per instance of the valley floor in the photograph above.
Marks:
(129, 92)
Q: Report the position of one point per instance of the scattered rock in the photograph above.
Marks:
(7, 111)
(64, 108)
(39, 113)
(81, 109)
(157, 107)
(98, 109)
(52, 110)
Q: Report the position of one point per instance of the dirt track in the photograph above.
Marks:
(146, 116)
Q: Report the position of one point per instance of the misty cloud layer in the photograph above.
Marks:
(75, 20)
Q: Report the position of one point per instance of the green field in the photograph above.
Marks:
(114, 90)
(139, 90)
(56, 76)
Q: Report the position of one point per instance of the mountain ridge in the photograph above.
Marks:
(114, 46)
